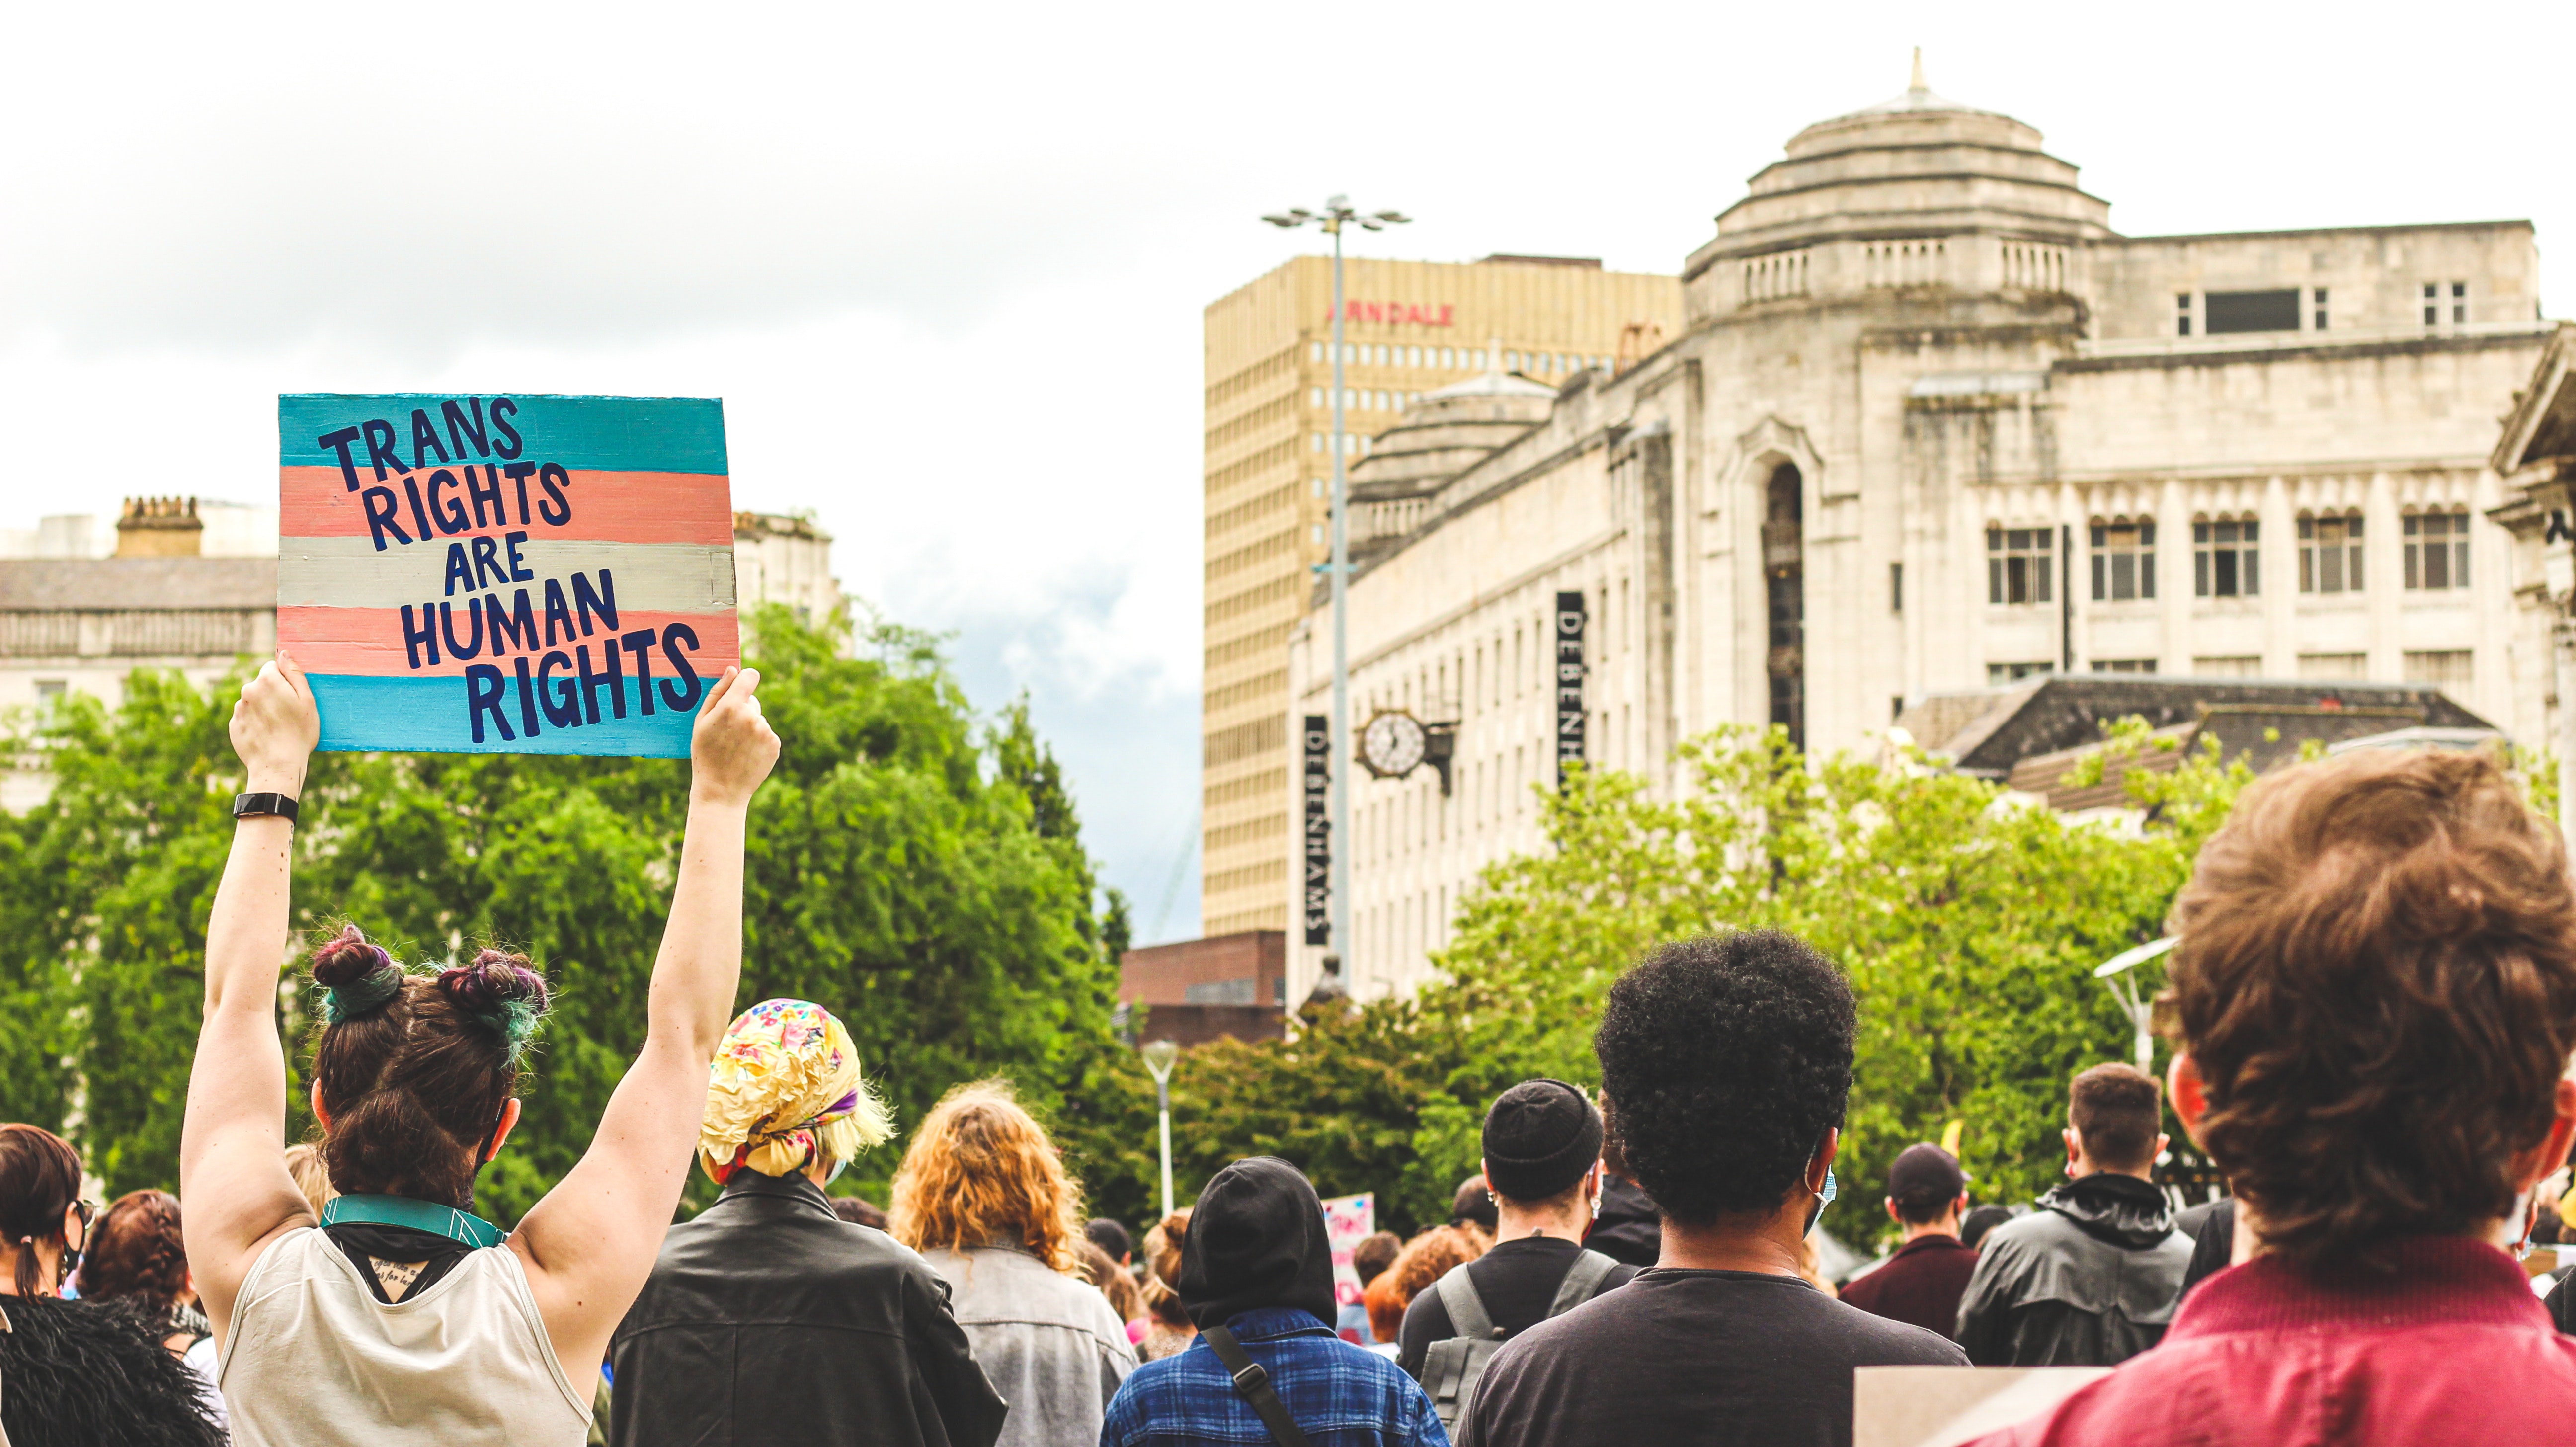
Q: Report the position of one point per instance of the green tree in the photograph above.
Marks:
(918, 872)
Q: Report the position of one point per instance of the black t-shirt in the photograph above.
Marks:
(1706, 1357)
(2214, 1247)
(1518, 1282)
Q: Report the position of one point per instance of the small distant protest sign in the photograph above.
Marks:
(1348, 1220)
(506, 573)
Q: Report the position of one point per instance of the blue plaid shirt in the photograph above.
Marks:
(1339, 1394)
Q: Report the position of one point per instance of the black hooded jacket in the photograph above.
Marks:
(1626, 1227)
(770, 1319)
(2089, 1279)
(1256, 1239)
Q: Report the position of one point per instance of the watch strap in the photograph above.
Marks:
(252, 806)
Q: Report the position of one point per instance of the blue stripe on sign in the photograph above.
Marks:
(594, 434)
(368, 714)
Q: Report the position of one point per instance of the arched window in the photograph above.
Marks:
(2124, 559)
(2330, 552)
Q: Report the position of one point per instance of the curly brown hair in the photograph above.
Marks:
(1425, 1259)
(982, 1172)
(2376, 978)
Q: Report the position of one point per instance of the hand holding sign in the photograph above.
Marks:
(274, 727)
(506, 574)
(733, 747)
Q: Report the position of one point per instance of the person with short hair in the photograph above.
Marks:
(1542, 1159)
(984, 1196)
(768, 1315)
(1727, 1062)
(1257, 1278)
(401, 1314)
(1922, 1283)
(1112, 1239)
(2374, 986)
(2091, 1278)
(1472, 1204)
(1974, 1226)
(1369, 1260)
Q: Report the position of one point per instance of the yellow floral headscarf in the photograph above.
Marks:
(785, 1081)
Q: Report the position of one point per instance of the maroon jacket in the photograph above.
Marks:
(2449, 1350)
(1920, 1285)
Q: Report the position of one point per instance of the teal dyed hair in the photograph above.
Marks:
(504, 994)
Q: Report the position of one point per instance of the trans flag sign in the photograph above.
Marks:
(506, 573)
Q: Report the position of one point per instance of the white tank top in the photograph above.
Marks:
(314, 1360)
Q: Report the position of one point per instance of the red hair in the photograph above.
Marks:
(981, 1170)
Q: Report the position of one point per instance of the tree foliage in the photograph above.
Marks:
(917, 871)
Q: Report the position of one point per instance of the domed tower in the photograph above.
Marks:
(1917, 194)
(1441, 436)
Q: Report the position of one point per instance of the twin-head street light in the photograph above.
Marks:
(1336, 214)
(2116, 975)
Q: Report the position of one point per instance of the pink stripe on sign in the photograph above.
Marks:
(613, 507)
(371, 640)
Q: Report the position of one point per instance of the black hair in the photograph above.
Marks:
(1727, 1058)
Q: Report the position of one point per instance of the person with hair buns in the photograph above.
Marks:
(88, 1372)
(401, 1315)
(768, 1315)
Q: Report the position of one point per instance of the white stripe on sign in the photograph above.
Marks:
(650, 577)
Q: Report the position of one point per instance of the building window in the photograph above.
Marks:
(2124, 560)
(2321, 308)
(2182, 318)
(2437, 550)
(2224, 560)
(2330, 554)
(1998, 674)
(2124, 665)
(2459, 301)
(1896, 587)
(2018, 564)
(2459, 296)
(2250, 311)
(1314, 351)
(2447, 668)
(2334, 667)
(2229, 666)
(50, 690)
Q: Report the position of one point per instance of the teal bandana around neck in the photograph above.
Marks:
(457, 1226)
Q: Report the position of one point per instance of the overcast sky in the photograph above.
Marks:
(945, 264)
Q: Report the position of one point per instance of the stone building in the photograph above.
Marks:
(1409, 327)
(2536, 458)
(1929, 426)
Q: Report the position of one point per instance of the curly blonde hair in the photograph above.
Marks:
(981, 1171)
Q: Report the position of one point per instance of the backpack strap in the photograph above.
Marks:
(1582, 1279)
(1254, 1384)
(1467, 1314)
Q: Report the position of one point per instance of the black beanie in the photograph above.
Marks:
(1256, 1239)
(1540, 1137)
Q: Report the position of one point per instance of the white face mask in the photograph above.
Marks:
(834, 1174)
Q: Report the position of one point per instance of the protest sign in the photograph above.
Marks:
(1348, 1220)
(505, 574)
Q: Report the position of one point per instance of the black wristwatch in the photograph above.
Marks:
(253, 806)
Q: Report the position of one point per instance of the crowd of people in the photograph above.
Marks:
(2372, 1008)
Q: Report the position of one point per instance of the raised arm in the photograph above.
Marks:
(232, 1168)
(591, 1242)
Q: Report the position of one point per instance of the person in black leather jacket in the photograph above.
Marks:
(2092, 1277)
(769, 1318)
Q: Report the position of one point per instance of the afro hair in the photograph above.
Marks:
(1726, 1059)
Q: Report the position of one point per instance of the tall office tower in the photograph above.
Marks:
(1411, 327)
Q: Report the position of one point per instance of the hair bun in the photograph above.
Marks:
(357, 977)
(501, 991)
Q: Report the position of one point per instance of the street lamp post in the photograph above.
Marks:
(2115, 975)
(1159, 1057)
(1337, 211)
